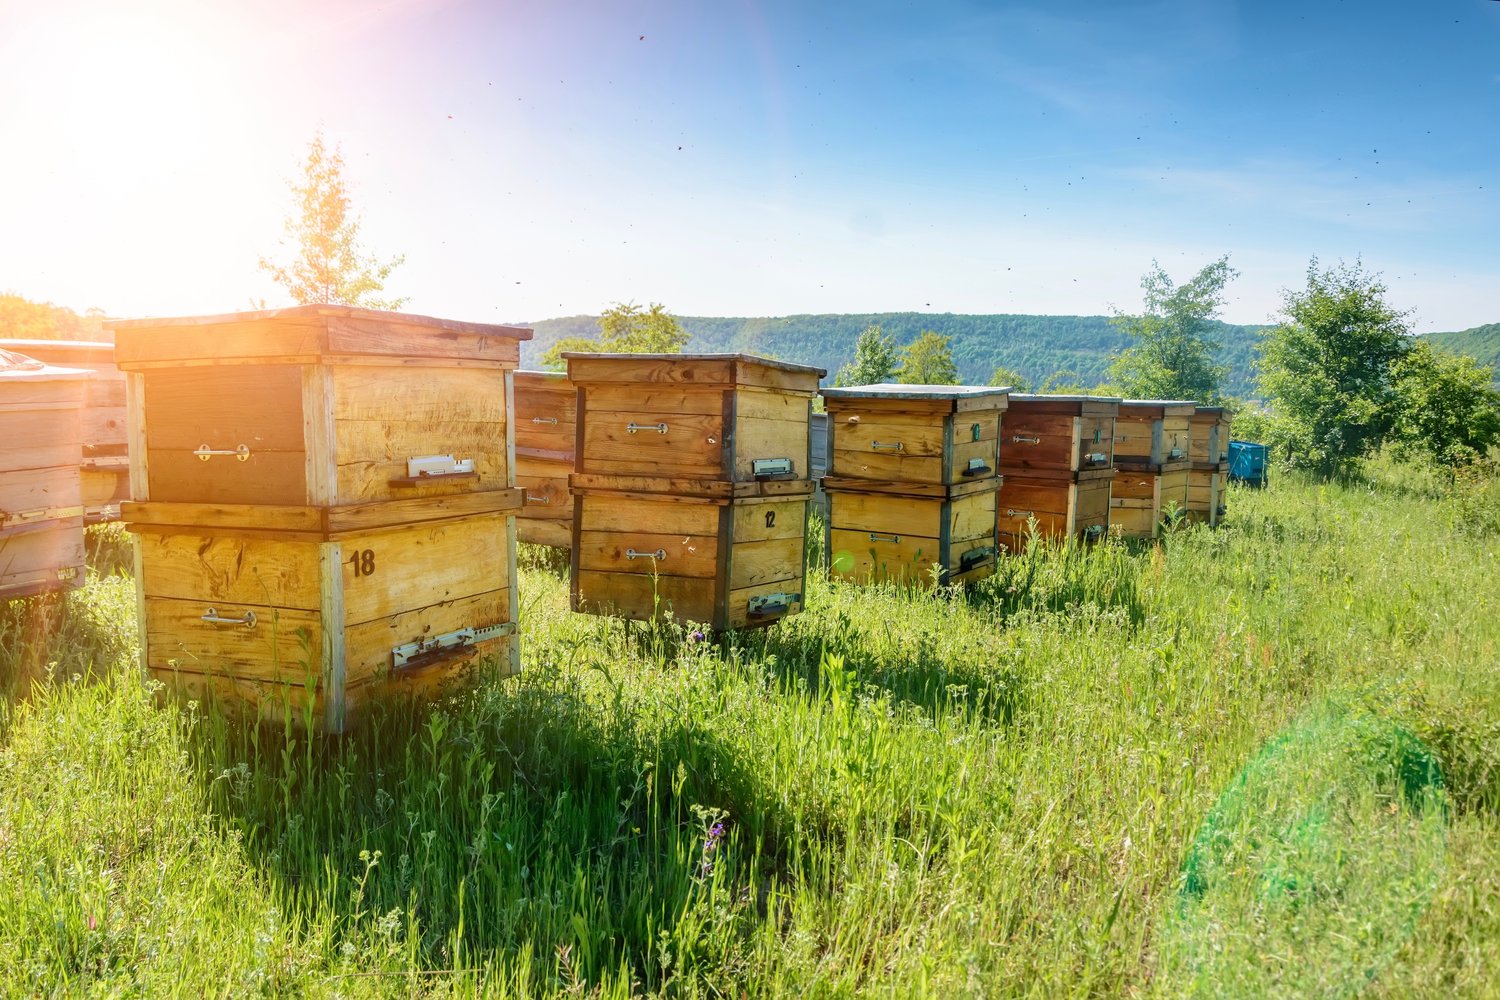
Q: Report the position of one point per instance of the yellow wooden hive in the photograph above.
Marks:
(546, 437)
(692, 486)
(913, 481)
(41, 508)
(104, 465)
(1152, 441)
(323, 503)
(1057, 460)
(1209, 475)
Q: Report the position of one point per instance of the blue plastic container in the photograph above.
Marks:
(1247, 462)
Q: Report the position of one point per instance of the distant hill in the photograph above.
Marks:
(1481, 343)
(1035, 346)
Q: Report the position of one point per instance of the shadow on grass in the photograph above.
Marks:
(517, 818)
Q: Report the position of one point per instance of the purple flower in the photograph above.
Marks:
(696, 636)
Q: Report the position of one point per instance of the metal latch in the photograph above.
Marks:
(976, 467)
(1093, 532)
(772, 604)
(1095, 458)
(975, 557)
(428, 466)
(1175, 453)
(764, 467)
(413, 654)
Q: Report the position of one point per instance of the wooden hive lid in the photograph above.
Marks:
(82, 353)
(1156, 408)
(1064, 403)
(692, 369)
(16, 367)
(307, 333)
(548, 379)
(956, 396)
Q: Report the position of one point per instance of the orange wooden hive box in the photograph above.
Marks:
(324, 502)
(1057, 456)
(913, 481)
(104, 465)
(692, 486)
(1152, 439)
(41, 509)
(1209, 475)
(546, 434)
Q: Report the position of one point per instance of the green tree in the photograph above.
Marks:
(1009, 376)
(625, 328)
(23, 319)
(927, 361)
(329, 265)
(1327, 368)
(1173, 350)
(874, 359)
(1448, 411)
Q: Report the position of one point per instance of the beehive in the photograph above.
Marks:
(1152, 442)
(41, 509)
(104, 465)
(546, 433)
(692, 486)
(323, 502)
(878, 535)
(1209, 450)
(1057, 460)
(913, 481)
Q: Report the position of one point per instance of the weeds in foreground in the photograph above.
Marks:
(1057, 783)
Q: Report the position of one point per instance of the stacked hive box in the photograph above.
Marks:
(1057, 459)
(692, 487)
(912, 481)
(324, 502)
(41, 510)
(546, 432)
(1151, 460)
(104, 466)
(1209, 450)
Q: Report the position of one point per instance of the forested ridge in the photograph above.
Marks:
(1482, 343)
(1035, 346)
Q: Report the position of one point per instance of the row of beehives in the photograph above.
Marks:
(323, 498)
(1062, 465)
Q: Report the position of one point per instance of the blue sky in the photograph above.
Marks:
(748, 158)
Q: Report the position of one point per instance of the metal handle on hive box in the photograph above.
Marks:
(1022, 439)
(887, 446)
(545, 420)
(1011, 512)
(877, 537)
(204, 452)
(531, 499)
(658, 554)
(213, 617)
(632, 427)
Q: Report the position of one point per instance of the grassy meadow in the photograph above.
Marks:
(1258, 761)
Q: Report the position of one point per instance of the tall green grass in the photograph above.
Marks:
(1157, 770)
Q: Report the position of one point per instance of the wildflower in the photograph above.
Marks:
(697, 636)
(710, 846)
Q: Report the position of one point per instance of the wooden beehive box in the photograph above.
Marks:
(104, 465)
(701, 424)
(323, 502)
(727, 563)
(41, 508)
(945, 535)
(1153, 434)
(1210, 469)
(919, 434)
(692, 486)
(546, 435)
(1059, 437)
(1140, 498)
(1077, 509)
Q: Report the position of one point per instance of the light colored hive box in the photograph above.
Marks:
(546, 435)
(913, 481)
(1209, 450)
(324, 508)
(1152, 441)
(104, 465)
(41, 509)
(692, 486)
(1057, 460)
